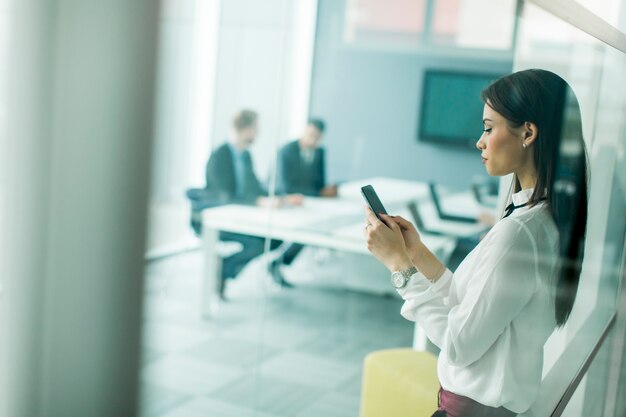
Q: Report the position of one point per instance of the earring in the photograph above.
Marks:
(524, 145)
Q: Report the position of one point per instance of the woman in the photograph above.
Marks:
(492, 317)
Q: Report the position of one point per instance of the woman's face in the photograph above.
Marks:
(500, 145)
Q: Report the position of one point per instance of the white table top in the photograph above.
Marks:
(338, 222)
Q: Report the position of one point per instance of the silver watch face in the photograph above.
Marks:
(398, 280)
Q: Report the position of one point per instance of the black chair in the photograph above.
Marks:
(200, 198)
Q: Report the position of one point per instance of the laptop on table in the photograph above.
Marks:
(440, 212)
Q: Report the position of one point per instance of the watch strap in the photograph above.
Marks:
(408, 273)
(405, 274)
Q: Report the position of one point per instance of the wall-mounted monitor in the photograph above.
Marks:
(451, 108)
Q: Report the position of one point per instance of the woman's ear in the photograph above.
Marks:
(530, 133)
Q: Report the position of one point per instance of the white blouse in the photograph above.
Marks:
(492, 317)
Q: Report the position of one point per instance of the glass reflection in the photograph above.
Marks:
(311, 327)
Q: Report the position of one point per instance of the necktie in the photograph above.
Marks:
(511, 208)
(247, 173)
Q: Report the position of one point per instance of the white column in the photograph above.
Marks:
(74, 162)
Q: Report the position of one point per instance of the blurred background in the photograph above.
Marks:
(132, 284)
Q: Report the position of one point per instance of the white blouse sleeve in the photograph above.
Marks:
(503, 279)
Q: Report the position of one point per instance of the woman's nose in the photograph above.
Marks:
(480, 145)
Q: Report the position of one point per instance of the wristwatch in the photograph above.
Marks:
(399, 279)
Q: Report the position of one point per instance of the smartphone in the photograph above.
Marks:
(373, 201)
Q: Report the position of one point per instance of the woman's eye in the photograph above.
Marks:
(487, 129)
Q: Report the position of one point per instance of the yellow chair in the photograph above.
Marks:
(399, 383)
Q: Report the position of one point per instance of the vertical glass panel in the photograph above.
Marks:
(590, 68)
(479, 24)
(278, 307)
(445, 26)
(4, 53)
(384, 21)
(396, 16)
(427, 25)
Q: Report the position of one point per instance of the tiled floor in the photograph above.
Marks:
(270, 352)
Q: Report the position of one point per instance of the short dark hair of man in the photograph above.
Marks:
(318, 124)
(244, 119)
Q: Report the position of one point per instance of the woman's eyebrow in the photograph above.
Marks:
(487, 120)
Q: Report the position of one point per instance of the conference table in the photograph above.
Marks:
(334, 223)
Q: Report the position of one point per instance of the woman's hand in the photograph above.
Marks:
(412, 239)
(385, 241)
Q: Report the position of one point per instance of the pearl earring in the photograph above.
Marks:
(524, 145)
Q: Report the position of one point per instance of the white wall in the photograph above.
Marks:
(185, 90)
(265, 58)
(369, 94)
(189, 31)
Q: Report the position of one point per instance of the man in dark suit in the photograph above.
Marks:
(230, 179)
(302, 170)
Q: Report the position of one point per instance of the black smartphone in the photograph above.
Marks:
(373, 201)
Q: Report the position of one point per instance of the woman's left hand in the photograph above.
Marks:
(385, 241)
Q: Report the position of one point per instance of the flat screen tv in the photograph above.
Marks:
(451, 108)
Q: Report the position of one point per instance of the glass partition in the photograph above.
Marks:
(593, 70)
(275, 304)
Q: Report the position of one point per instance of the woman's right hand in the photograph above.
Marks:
(423, 259)
(412, 239)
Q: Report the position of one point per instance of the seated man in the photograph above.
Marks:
(301, 169)
(230, 178)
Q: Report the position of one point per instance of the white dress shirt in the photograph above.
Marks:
(492, 317)
(307, 154)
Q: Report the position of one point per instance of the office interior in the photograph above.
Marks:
(110, 290)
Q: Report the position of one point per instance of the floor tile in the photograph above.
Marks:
(332, 405)
(231, 352)
(206, 407)
(150, 355)
(187, 375)
(272, 333)
(156, 400)
(307, 369)
(269, 395)
(270, 352)
(172, 338)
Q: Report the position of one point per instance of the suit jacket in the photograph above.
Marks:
(221, 182)
(295, 175)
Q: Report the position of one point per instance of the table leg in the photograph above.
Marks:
(211, 273)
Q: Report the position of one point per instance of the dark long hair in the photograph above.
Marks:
(545, 99)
